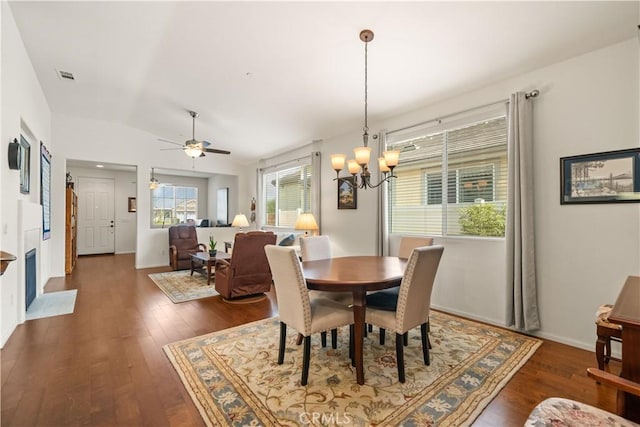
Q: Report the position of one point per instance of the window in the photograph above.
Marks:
(286, 193)
(451, 180)
(173, 205)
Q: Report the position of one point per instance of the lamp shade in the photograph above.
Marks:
(240, 220)
(306, 221)
(337, 161)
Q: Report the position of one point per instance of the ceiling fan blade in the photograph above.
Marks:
(170, 142)
(215, 150)
(171, 149)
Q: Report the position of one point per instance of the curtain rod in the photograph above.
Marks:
(292, 161)
(533, 94)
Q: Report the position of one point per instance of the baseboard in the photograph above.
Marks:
(590, 346)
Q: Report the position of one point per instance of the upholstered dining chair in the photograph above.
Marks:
(315, 247)
(409, 243)
(319, 247)
(388, 299)
(296, 309)
(414, 302)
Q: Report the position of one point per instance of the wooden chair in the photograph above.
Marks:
(565, 412)
(414, 302)
(296, 309)
(606, 331)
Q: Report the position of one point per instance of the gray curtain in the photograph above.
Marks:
(522, 299)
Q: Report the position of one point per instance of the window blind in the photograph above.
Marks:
(451, 180)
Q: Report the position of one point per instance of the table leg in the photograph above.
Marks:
(359, 307)
(192, 265)
(208, 273)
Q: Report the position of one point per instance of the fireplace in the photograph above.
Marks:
(30, 276)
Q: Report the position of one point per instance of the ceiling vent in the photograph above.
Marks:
(65, 75)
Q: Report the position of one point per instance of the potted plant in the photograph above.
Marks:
(212, 246)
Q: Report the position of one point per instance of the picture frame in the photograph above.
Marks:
(25, 165)
(607, 177)
(45, 190)
(132, 205)
(347, 193)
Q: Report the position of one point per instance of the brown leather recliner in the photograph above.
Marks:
(247, 272)
(183, 241)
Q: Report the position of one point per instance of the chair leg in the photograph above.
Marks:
(323, 338)
(283, 339)
(425, 344)
(299, 339)
(382, 333)
(405, 338)
(352, 345)
(305, 360)
(400, 357)
(429, 330)
(370, 327)
(600, 346)
(334, 339)
(607, 350)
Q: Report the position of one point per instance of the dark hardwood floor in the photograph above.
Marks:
(104, 364)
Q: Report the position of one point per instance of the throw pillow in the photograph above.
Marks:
(287, 241)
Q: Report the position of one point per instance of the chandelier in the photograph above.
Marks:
(359, 167)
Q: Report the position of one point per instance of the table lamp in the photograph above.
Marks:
(306, 222)
(240, 220)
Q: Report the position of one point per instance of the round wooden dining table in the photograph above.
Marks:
(358, 275)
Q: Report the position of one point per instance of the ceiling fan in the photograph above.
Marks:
(192, 147)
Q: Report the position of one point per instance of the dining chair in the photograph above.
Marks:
(388, 298)
(414, 301)
(296, 309)
(314, 248)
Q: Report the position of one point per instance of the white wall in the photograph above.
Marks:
(587, 104)
(24, 110)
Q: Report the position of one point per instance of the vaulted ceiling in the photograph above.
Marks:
(266, 76)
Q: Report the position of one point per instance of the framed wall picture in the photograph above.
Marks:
(132, 205)
(25, 165)
(45, 190)
(347, 193)
(609, 177)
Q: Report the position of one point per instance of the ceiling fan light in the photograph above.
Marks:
(193, 151)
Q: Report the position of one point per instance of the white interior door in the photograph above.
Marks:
(96, 222)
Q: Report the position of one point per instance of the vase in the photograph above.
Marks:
(213, 252)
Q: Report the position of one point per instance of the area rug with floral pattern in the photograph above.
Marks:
(234, 379)
(181, 286)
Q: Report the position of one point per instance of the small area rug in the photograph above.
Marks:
(180, 286)
(234, 379)
(52, 304)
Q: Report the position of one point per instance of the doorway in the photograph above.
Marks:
(96, 220)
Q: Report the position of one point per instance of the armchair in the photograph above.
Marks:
(556, 411)
(183, 241)
(247, 272)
